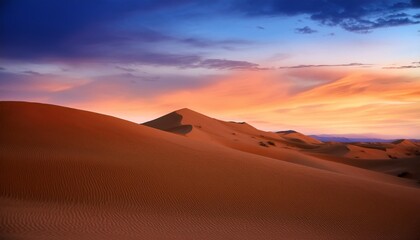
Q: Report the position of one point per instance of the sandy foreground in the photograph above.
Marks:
(72, 174)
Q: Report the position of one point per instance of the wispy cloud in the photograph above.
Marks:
(305, 30)
(328, 65)
(126, 69)
(228, 64)
(412, 65)
(366, 26)
(33, 86)
(205, 42)
(32, 72)
(402, 67)
(355, 16)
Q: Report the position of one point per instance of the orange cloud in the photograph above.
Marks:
(234, 94)
(362, 102)
(311, 101)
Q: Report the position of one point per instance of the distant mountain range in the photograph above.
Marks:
(334, 138)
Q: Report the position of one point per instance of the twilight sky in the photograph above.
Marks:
(316, 66)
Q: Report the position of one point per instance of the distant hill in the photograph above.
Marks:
(332, 138)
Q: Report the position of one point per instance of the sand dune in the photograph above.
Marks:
(72, 174)
(350, 150)
(289, 146)
(231, 134)
(298, 137)
(403, 149)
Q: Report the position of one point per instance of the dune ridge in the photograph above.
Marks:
(290, 146)
(72, 174)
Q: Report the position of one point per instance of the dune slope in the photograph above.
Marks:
(289, 146)
(71, 174)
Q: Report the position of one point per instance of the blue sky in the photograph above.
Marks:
(124, 57)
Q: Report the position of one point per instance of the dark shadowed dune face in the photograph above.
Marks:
(167, 122)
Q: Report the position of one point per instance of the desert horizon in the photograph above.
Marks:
(324, 137)
(223, 119)
(74, 173)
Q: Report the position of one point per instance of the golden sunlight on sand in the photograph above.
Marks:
(68, 173)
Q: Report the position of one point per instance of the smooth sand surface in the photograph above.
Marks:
(71, 174)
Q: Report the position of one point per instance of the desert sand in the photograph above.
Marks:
(73, 174)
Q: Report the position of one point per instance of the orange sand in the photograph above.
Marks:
(71, 174)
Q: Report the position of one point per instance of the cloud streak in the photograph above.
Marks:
(305, 30)
(228, 64)
(412, 65)
(402, 67)
(366, 26)
(328, 65)
(355, 16)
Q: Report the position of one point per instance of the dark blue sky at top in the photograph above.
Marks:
(122, 31)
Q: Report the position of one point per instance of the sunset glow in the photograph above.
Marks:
(222, 119)
(276, 67)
